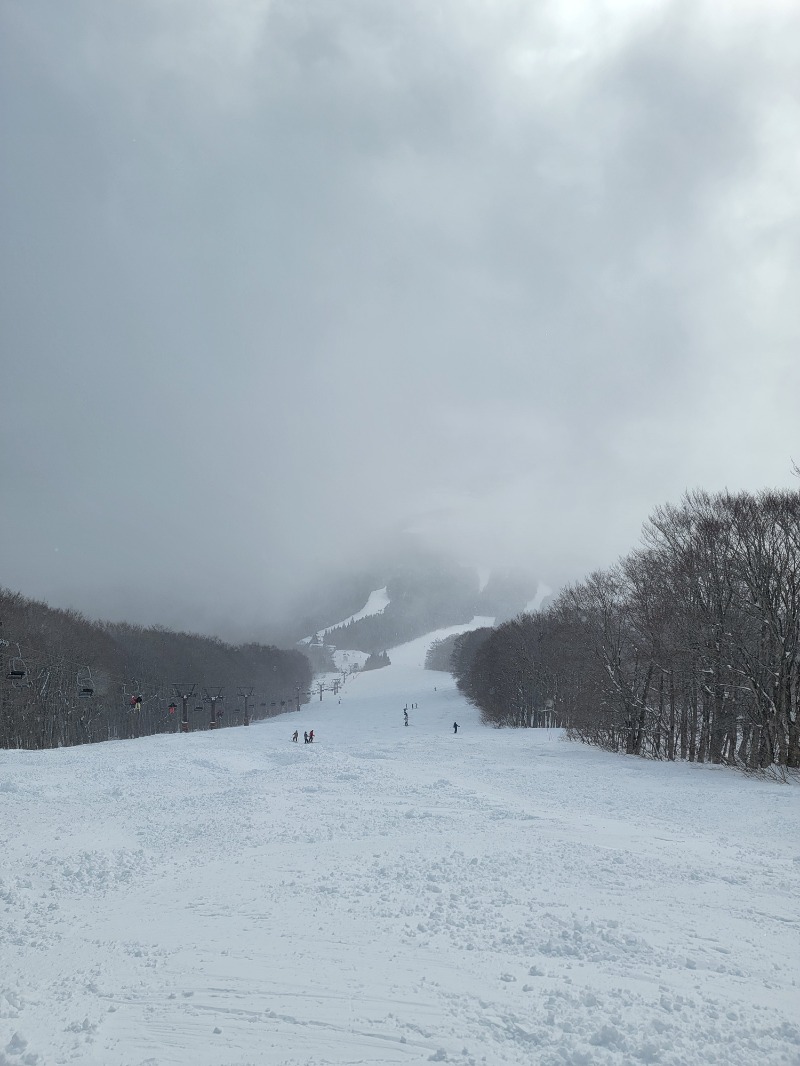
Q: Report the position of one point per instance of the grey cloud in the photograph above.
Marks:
(281, 277)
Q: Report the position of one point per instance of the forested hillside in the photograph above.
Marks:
(423, 596)
(688, 648)
(67, 680)
(425, 589)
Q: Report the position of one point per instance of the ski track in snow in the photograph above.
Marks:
(392, 895)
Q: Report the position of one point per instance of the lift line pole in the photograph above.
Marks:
(214, 723)
(246, 694)
(184, 694)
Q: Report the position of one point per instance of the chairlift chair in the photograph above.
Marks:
(85, 684)
(18, 672)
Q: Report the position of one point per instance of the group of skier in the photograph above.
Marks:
(308, 738)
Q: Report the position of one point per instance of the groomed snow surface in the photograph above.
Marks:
(393, 895)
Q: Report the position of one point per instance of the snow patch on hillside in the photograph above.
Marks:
(542, 592)
(377, 603)
(412, 655)
(346, 660)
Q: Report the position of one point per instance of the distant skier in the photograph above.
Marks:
(405, 716)
(455, 727)
(311, 737)
(294, 736)
(305, 738)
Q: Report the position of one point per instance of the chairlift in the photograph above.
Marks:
(85, 683)
(18, 672)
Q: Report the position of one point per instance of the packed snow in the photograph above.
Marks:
(393, 894)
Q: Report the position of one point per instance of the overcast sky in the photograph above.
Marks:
(281, 275)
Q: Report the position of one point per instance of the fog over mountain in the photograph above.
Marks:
(283, 282)
(417, 590)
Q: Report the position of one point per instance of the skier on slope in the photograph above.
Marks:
(455, 727)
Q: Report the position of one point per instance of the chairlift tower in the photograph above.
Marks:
(184, 694)
(246, 694)
(212, 699)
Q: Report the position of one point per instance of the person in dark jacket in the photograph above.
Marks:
(455, 727)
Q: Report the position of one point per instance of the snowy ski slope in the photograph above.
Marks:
(377, 602)
(393, 895)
